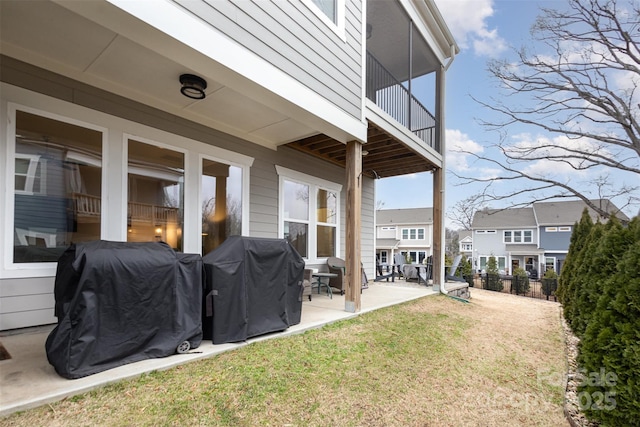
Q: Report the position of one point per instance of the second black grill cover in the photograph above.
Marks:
(253, 287)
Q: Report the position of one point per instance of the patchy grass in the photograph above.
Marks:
(431, 362)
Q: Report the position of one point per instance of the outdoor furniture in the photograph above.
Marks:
(398, 262)
(307, 280)
(380, 271)
(319, 282)
(337, 266)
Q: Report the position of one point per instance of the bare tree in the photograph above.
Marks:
(462, 212)
(582, 97)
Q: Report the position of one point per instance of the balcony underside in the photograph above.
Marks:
(386, 156)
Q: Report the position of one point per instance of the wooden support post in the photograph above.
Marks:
(353, 223)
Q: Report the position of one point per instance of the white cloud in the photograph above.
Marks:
(467, 20)
(458, 146)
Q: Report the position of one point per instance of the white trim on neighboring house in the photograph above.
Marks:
(314, 184)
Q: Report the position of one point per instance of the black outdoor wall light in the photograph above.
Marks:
(193, 86)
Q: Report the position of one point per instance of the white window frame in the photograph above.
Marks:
(517, 235)
(546, 262)
(497, 257)
(384, 257)
(315, 184)
(564, 229)
(337, 27)
(115, 132)
(551, 229)
(485, 231)
(413, 233)
(30, 176)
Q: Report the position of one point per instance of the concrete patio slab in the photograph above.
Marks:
(28, 380)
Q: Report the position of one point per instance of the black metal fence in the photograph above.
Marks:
(526, 287)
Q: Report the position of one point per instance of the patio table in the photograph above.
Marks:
(320, 282)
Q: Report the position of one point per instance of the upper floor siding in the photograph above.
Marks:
(291, 36)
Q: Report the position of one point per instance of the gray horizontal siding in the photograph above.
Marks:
(36, 294)
(291, 37)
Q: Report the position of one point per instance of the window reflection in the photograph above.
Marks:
(221, 203)
(156, 186)
(57, 187)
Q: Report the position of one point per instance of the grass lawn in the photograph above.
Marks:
(498, 361)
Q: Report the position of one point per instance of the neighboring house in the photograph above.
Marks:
(465, 243)
(405, 231)
(190, 121)
(535, 238)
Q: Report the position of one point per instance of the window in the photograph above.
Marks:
(331, 12)
(551, 229)
(500, 260)
(30, 174)
(57, 189)
(413, 234)
(383, 257)
(328, 7)
(156, 188)
(467, 247)
(549, 263)
(518, 236)
(388, 228)
(485, 231)
(564, 229)
(309, 214)
(221, 195)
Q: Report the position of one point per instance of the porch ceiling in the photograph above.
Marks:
(99, 52)
(385, 156)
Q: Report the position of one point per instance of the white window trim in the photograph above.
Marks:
(522, 239)
(115, 131)
(314, 184)
(485, 231)
(337, 27)
(34, 159)
(564, 229)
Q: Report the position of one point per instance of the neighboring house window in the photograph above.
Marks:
(383, 257)
(221, 196)
(30, 174)
(310, 209)
(551, 229)
(388, 228)
(467, 247)
(57, 189)
(518, 236)
(549, 263)
(501, 261)
(156, 194)
(485, 231)
(564, 229)
(413, 234)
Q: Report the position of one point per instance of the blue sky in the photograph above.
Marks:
(483, 29)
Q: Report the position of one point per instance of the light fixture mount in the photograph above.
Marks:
(193, 86)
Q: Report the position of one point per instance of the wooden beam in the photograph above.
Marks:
(353, 275)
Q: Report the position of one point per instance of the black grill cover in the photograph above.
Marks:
(253, 287)
(119, 303)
